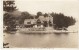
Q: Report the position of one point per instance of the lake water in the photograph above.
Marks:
(52, 40)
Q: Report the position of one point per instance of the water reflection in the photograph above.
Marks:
(13, 32)
(35, 33)
(41, 39)
(61, 33)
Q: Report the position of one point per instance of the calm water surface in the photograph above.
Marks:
(52, 40)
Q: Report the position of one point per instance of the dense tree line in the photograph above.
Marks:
(59, 20)
(62, 21)
(9, 21)
(8, 18)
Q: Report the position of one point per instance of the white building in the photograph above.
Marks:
(29, 21)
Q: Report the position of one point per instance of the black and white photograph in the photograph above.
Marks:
(40, 23)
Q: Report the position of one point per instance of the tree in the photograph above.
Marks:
(45, 15)
(8, 18)
(9, 21)
(38, 14)
(60, 20)
(24, 15)
(9, 6)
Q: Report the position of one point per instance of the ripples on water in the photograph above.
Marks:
(50, 40)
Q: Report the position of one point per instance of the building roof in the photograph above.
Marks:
(42, 18)
(33, 21)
